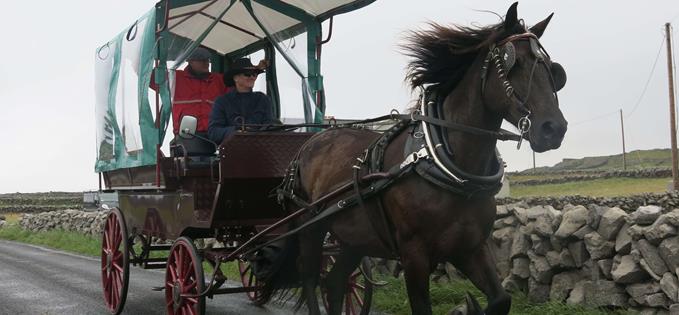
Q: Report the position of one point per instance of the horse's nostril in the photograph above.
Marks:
(551, 130)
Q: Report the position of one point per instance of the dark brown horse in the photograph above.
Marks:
(479, 81)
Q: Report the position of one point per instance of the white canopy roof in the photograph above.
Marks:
(237, 29)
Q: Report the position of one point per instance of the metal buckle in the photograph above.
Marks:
(524, 124)
(415, 156)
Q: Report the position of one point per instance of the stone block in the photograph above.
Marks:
(501, 211)
(562, 284)
(520, 244)
(672, 217)
(657, 300)
(623, 242)
(628, 271)
(659, 231)
(612, 221)
(521, 267)
(669, 251)
(512, 284)
(539, 268)
(537, 292)
(505, 233)
(639, 291)
(584, 230)
(595, 214)
(670, 285)
(598, 247)
(652, 257)
(544, 226)
(577, 295)
(674, 309)
(578, 252)
(572, 221)
(510, 221)
(645, 215)
(605, 266)
(636, 232)
(649, 271)
(521, 214)
(605, 294)
(540, 245)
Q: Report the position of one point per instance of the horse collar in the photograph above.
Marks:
(427, 150)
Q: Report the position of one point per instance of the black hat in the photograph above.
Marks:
(241, 65)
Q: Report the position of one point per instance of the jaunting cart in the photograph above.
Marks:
(190, 189)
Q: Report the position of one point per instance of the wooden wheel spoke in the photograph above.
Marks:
(188, 288)
(357, 296)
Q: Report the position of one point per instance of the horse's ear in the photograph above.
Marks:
(539, 29)
(511, 19)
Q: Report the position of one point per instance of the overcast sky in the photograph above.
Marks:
(607, 47)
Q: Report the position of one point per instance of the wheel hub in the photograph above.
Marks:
(176, 295)
(109, 262)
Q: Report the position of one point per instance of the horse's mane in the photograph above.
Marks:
(442, 54)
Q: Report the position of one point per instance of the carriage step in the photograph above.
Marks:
(155, 266)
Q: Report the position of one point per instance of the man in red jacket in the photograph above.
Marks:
(195, 90)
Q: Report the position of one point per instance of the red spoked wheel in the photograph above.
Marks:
(358, 297)
(115, 261)
(247, 277)
(184, 279)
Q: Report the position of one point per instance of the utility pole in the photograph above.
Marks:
(533, 160)
(673, 123)
(622, 127)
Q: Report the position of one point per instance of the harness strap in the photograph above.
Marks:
(346, 203)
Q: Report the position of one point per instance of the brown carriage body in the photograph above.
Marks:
(199, 199)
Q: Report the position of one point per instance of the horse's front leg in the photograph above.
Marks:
(416, 270)
(311, 247)
(479, 267)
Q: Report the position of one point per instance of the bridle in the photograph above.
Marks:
(503, 57)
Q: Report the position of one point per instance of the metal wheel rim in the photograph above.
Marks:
(184, 275)
(248, 279)
(115, 262)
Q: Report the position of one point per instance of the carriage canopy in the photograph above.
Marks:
(133, 113)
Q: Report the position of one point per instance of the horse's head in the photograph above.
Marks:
(520, 81)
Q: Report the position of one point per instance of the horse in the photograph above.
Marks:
(475, 77)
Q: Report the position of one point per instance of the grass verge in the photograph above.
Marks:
(609, 187)
(393, 299)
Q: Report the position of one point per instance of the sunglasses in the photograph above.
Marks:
(251, 74)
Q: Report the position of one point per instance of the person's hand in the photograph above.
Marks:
(263, 64)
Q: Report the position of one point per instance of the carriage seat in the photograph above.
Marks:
(199, 152)
(193, 146)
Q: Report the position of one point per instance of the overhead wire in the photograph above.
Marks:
(643, 92)
(648, 80)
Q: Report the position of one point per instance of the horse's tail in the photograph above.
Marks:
(282, 276)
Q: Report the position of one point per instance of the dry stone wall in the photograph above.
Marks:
(85, 222)
(593, 255)
(563, 177)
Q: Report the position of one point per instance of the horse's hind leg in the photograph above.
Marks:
(311, 246)
(480, 269)
(416, 270)
(338, 278)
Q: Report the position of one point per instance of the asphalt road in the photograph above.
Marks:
(39, 281)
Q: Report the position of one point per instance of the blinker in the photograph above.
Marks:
(508, 56)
